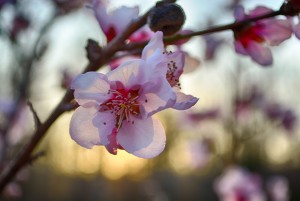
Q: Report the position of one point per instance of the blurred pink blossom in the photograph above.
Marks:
(114, 22)
(200, 152)
(254, 39)
(237, 184)
(278, 188)
(276, 112)
(21, 125)
(13, 190)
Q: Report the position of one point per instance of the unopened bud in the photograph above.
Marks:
(166, 17)
(93, 51)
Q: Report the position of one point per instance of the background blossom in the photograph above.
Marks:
(254, 39)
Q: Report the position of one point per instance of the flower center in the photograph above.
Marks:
(250, 34)
(240, 196)
(123, 104)
(110, 33)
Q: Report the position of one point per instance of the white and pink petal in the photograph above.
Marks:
(144, 138)
(130, 74)
(260, 10)
(105, 122)
(122, 16)
(155, 66)
(184, 102)
(82, 129)
(239, 13)
(276, 31)
(90, 89)
(260, 53)
(239, 48)
(155, 43)
(156, 97)
(101, 15)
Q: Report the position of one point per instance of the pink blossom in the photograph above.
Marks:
(21, 125)
(174, 68)
(13, 190)
(115, 109)
(278, 188)
(276, 112)
(237, 184)
(200, 152)
(254, 39)
(114, 22)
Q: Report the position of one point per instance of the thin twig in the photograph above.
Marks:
(178, 37)
(36, 156)
(23, 86)
(36, 118)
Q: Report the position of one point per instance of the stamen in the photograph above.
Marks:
(171, 74)
(123, 104)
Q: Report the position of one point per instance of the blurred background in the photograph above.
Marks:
(245, 124)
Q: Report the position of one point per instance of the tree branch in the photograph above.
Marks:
(178, 37)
